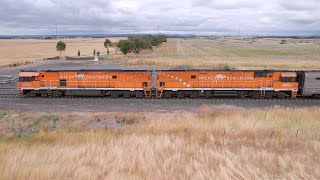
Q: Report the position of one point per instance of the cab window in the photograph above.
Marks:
(288, 79)
(260, 74)
(26, 79)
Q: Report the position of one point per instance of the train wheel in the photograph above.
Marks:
(126, 94)
(44, 94)
(139, 94)
(194, 95)
(281, 95)
(180, 95)
(114, 94)
(167, 94)
(269, 95)
(242, 94)
(32, 94)
(208, 94)
(255, 95)
(56, 94)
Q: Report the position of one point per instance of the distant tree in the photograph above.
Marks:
(98, 53)
(106, 44)
(94, 52)
(61, 46)
(163, 38)
(283, 41)
(148, 45)
(140, 43)
(114, 45)
(79, 53)
(126, 46)
(137, 43)
(154, 40)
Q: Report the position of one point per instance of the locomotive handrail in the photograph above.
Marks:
(84, 84)
(233, 84)
(194, 84)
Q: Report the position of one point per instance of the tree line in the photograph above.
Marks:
(133, 44)
(138, 43)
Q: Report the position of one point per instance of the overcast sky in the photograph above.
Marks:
(220, 17)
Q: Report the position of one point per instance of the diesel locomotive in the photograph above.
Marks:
(169, 83)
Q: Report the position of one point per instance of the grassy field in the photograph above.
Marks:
(221, 142)
(22, 50)
(234, 52)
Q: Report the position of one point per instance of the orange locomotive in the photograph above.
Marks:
(84, 83)
(228, 83)
(166, 83)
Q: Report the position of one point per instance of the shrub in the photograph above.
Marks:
(61, 46)
(36, 121)
(126, 46)
(2, 114)
(106, 44)
(223, 67)
(140, 43)
(283, 41)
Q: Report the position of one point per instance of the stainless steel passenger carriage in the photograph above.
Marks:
(310, 84)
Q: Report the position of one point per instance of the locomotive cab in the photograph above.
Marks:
(29, 80)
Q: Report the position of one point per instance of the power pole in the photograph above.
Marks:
(158, 29)
(56, 31)
(239, 30)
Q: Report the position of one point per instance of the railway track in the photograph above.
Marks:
(96, 104)
(14, 93)
(8, 86)
(9, 92)
(6, 79)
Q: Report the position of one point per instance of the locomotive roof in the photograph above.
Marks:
(129, 70)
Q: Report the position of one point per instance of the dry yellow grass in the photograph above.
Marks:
(22, 50)
(215, 143)
(240, 54)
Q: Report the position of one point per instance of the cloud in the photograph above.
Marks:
(189, 16)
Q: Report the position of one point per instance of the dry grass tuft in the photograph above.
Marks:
(215, 142)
